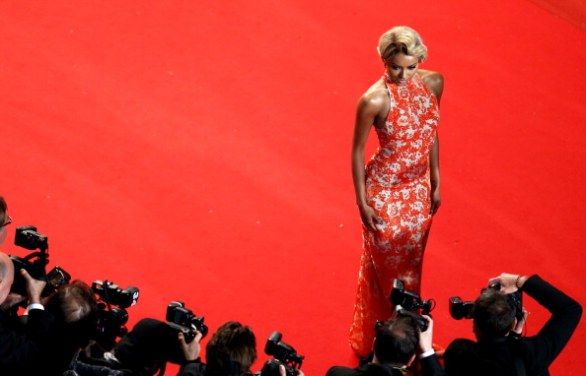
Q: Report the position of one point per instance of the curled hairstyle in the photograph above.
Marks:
(493, 314)
(397, 340)
(402, 39)
(231, 350)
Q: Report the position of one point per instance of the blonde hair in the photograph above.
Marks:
(401, 39)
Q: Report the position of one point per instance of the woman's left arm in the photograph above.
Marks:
(435, 82)
(435, 176)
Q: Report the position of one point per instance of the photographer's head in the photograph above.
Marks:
(493, 314)
(231, 350)
(6, 276)
(5, 220)
(75, 305)
(396, 341)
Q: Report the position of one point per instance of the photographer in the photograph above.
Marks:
(74, 309)
(498, 350)
(230, 352)
(20, 345)
(144, 351)
(396, 343)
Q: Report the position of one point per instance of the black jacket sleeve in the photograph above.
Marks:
(18, 349)
(431, 366)
(192, 369)
(555, 334)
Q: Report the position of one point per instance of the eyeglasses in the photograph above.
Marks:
(7, 221)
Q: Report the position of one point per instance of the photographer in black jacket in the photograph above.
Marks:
(498, 351)
(20, 345)
(230, 352)
(397, 341)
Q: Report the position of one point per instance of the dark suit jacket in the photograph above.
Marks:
(20, 347)
(496, 357)
(192, 369)
(430, 367)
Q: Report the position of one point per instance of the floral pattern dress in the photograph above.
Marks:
(398, 189)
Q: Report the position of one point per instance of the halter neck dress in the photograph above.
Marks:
(398, 189)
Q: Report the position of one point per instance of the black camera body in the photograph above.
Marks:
(411, 304)
(283, 354)
(112, 293)
(112, 315)
(27, 237)
(34, 263)
(460, 309)
(185, 321)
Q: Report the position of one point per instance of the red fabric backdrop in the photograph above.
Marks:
(200, 151)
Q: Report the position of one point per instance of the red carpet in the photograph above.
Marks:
(200, 151)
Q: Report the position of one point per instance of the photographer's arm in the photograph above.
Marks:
(39, 321)
(558, 330)
(18, 349)
(429, 361)
(192, 366)
(34, 289)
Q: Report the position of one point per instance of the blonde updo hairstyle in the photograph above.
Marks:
(401, 39)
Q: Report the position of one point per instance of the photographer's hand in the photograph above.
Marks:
(283, 371)
(426, 338)
(509, 282)
(521, 323)
(190, 350)
(34, 287)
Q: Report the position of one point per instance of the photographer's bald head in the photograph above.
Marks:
(5, 220)
(6, 276)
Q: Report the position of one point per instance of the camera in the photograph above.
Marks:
(460, 309)
(34, 263)
(27, 237)
(184, 320)
(283, 354)
(57, 277)
(411, 304)
(112, 294)
(112, 320)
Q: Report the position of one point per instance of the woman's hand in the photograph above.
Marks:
(369, 217)
(436, 201)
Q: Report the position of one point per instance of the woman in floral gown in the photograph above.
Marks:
(399, 190)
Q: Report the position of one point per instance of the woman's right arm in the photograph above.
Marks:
(367, 110)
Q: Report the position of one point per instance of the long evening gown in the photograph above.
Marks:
(398, 189)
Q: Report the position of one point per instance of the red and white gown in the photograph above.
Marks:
(398, 189)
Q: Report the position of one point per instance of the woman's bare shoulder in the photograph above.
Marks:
(433, 80)
(376, 95)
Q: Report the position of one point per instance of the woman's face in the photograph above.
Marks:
(401, 68)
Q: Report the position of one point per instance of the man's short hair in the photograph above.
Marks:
(74, 301)
(493, 314)
(397, 340)
(231, 350)
(76, 308)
